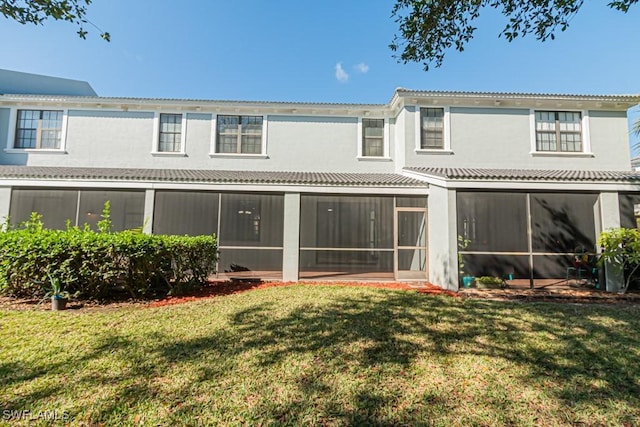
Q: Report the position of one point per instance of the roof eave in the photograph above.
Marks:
(615, 102)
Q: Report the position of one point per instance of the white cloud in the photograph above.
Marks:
(362, 67)
(341, 74)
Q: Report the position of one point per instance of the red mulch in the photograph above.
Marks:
(234, 287)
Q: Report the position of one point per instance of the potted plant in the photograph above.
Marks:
(467, 280)
(490, 282)
(59, 297)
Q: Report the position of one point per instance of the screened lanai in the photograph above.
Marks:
(525, 235)
(363, 237)
(534, 227)
(371, 227)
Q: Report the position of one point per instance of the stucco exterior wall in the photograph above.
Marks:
(442, 245)
(5, 204)
(103, 138)
(610, 140)
(126, 139)
(502, 138)
(4, 127)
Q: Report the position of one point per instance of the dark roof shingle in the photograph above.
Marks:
(209, 176)
(527, 174)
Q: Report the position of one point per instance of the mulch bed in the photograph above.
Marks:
(220, 288)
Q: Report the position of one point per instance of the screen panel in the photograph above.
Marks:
(563, 222)
(56, 206)
(346, 222)
(251, 220)
(493, 222)
(190, 213)
(242, 263)
(126, 208)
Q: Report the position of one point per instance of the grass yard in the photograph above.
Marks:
(324, 355)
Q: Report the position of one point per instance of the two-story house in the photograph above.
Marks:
(507, 183)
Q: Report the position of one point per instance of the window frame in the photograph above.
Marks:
(385, 139)
(214, 137)
(155, 148)
(13, 131)
(585, 134)
(446, 130)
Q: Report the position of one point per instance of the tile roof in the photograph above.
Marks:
(634, 98)
(24, 97)
(209, 176)
(527, 174)
(626, 98)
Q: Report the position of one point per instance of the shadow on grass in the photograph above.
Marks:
(391, 331)
(383, 331)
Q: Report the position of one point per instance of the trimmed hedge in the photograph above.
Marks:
(101, 265)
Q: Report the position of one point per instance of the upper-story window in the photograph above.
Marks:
(170, 135)
(239, 134)
(38, 129)
(559, 131)
(432, 128)
(373, 137)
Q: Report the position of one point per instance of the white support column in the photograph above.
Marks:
(610, 217)
(291, 237)
(149, 202)
(443, 238)
(5, 202)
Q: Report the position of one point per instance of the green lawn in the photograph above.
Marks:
(326, 356)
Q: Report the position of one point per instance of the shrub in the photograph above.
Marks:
(490, 280)
(101, 264)
(621, 247)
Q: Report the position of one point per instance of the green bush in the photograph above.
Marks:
(621, 247)
(490, 280)
(100, 265)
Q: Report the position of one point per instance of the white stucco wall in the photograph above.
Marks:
(610, 218)
(481, 137)
(5, 203)
(610, 140)
(502, 138)
(125, 139)
(4, 126)
(442, 245)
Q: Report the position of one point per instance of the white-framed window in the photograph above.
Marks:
(432, 130)
(373, 138)
(38, 130)
(240, 135)
(560, 132)
(169, 135)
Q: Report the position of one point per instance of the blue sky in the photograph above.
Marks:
(328, 51)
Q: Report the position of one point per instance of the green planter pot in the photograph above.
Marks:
(58, 303)
(467, 281)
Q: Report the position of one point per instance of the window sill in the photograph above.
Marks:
(239, 156)
(433, 151)
(167, 154)
(33, 151)
(374, 159)
(559, 154)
